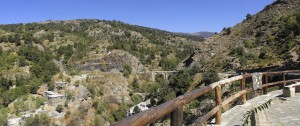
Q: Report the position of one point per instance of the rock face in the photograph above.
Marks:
(258, 26)
(114, 61)
(114, 86)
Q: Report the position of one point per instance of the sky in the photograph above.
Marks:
(171, 15)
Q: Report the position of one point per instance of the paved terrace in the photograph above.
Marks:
(284, 111)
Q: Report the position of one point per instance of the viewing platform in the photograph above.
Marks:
(282, 111)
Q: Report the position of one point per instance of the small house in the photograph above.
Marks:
(60, 85)
(55, 98)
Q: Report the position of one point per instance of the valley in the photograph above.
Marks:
(98, 72)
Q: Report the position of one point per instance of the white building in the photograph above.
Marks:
(142, 106)
(55, 98)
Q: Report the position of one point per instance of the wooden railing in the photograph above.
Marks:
(175, 107)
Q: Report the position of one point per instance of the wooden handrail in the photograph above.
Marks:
(175, 105)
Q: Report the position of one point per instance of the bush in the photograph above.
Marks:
(249, 44)
(291, 44)
(181, 82)
(136, 99)
(51, 86)
(38, 120)
(210, 77)
(3, 116)
(248, 16)
(127, 70)
(135, 84)
(227, 31)
(119, 115)
(136, 110)
(77, 82)
(59, 108)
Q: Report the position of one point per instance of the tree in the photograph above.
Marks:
(248, 16)
(181, 82)
(210, 77)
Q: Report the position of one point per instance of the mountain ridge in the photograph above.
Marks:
(253, 37)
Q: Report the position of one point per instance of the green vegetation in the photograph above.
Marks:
(59, 108)
(38, 120)
(3, 116)
(249, 117)
(210, 76)
(248, 16)
(127, 70)
(227, 31)
(136, 99)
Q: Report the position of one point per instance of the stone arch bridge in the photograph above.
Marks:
(165, 74)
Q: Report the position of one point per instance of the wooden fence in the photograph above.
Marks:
(175, 107)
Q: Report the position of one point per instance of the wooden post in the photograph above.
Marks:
(266, 88)
(243, 87)
(218, 93)
(284, 83)
(177, 117)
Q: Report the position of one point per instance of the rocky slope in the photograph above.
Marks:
(100, 60)
(268, 38)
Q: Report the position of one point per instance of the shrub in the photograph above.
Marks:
(127, 70)
(248, 16)
(291, 44)
(249, 44)
(136, 99)
(51, 87)
(135, 84)
(227, 31)
(210, 77)
(181, 82)
(119, 115)
(38, 120)
(238, 51)
(3, 116)
(136, 110)
(59, 108)
(77, 83)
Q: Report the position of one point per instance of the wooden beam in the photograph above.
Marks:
(218, 94)
(243, 87)
(265, 89)
(202, 120)
(283, 80)
(177, 117)
(280, 72)
(155, 113)
(233, 97)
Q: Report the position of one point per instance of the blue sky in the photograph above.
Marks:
(170, 15)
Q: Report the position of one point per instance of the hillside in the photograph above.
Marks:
(100, 60)
(268, 39)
